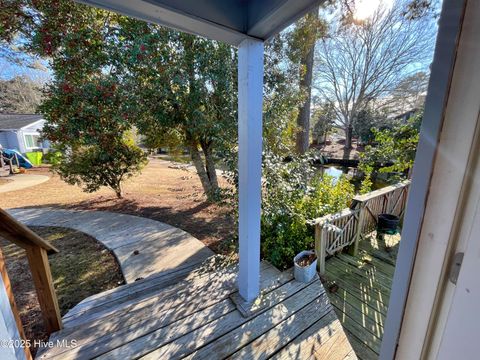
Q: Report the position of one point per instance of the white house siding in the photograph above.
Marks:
(21, 142)
(33, 129)
(4, 139)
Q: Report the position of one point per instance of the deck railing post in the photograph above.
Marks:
(320, 246)
(42, 279)
(353, 249)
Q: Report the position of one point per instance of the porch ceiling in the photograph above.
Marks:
(230, 21)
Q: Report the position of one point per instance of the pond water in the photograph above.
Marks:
(333, 172)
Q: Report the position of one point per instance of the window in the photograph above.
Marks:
(33, 141)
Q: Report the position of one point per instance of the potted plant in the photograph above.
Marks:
(305, 266)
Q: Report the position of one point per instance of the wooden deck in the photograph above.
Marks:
(190, 314)
(359, 289)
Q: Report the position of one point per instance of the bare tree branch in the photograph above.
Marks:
(364, 61)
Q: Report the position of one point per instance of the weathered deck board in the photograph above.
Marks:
(372, 297)
(364, 274)
(373, 281)
(361, 292)
(276, 325)
(281, 334)
(372, 321)
(281, 305)
(147, 316)
(196, 318)
(325, 339)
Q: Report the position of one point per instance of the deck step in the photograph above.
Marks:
(189, 313)
(128, 311)
(138, 296)
(140, 289)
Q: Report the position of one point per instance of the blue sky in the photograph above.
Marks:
(9, 69)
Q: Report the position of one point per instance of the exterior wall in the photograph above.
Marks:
(8, 328)
(16, 139)
(33, 129)
(4, 139)
(21, 142)
(447, 214)
(9, 140)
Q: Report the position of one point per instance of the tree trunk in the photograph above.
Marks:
(210, 166)
(198, 163)
(119, 190)
(348, 137)
(306, 74)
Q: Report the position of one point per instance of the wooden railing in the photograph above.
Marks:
(37, 250)
(334, 232)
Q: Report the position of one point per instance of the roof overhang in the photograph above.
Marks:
(230, 21)
(32, 123)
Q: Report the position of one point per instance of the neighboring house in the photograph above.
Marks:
(22, 132)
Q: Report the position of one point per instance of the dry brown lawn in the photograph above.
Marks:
(336, 150)
(4, 181)
(162, 192)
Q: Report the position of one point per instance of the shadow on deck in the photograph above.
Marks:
(359, 290)
(174, 315)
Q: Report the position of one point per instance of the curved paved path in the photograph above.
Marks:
(160, 246)
(22, 181)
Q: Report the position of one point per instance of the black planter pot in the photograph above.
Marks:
(388, 224)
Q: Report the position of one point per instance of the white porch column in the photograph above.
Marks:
(250, 94)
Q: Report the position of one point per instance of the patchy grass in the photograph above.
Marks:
(82, 267)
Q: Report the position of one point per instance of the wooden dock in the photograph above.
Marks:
(359, 290)
(190, 314)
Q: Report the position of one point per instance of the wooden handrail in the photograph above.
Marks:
(373, 194)
(20, 235)
(338, 215)
(344, 229)
(37, 250)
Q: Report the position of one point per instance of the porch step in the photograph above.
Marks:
(188, 313)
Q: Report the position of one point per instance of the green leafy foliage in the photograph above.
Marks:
(281, 97)
(113, 73)
(367, 120)
(393, 150)
(294, 195)
(89, 123)
(53, 157)
(184, 86)
(92, 166)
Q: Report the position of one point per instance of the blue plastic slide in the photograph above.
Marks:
(22, 160)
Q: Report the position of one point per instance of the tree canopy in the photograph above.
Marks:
(364, 61)
(20, 95)
(113, 73)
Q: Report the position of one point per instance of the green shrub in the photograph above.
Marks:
(52, 157)
(293, 196)
(92, 167)
(392, 151)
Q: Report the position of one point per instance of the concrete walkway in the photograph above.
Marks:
(22, 181)
(142, 246)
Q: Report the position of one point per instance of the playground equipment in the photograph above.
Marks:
(14, 160)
